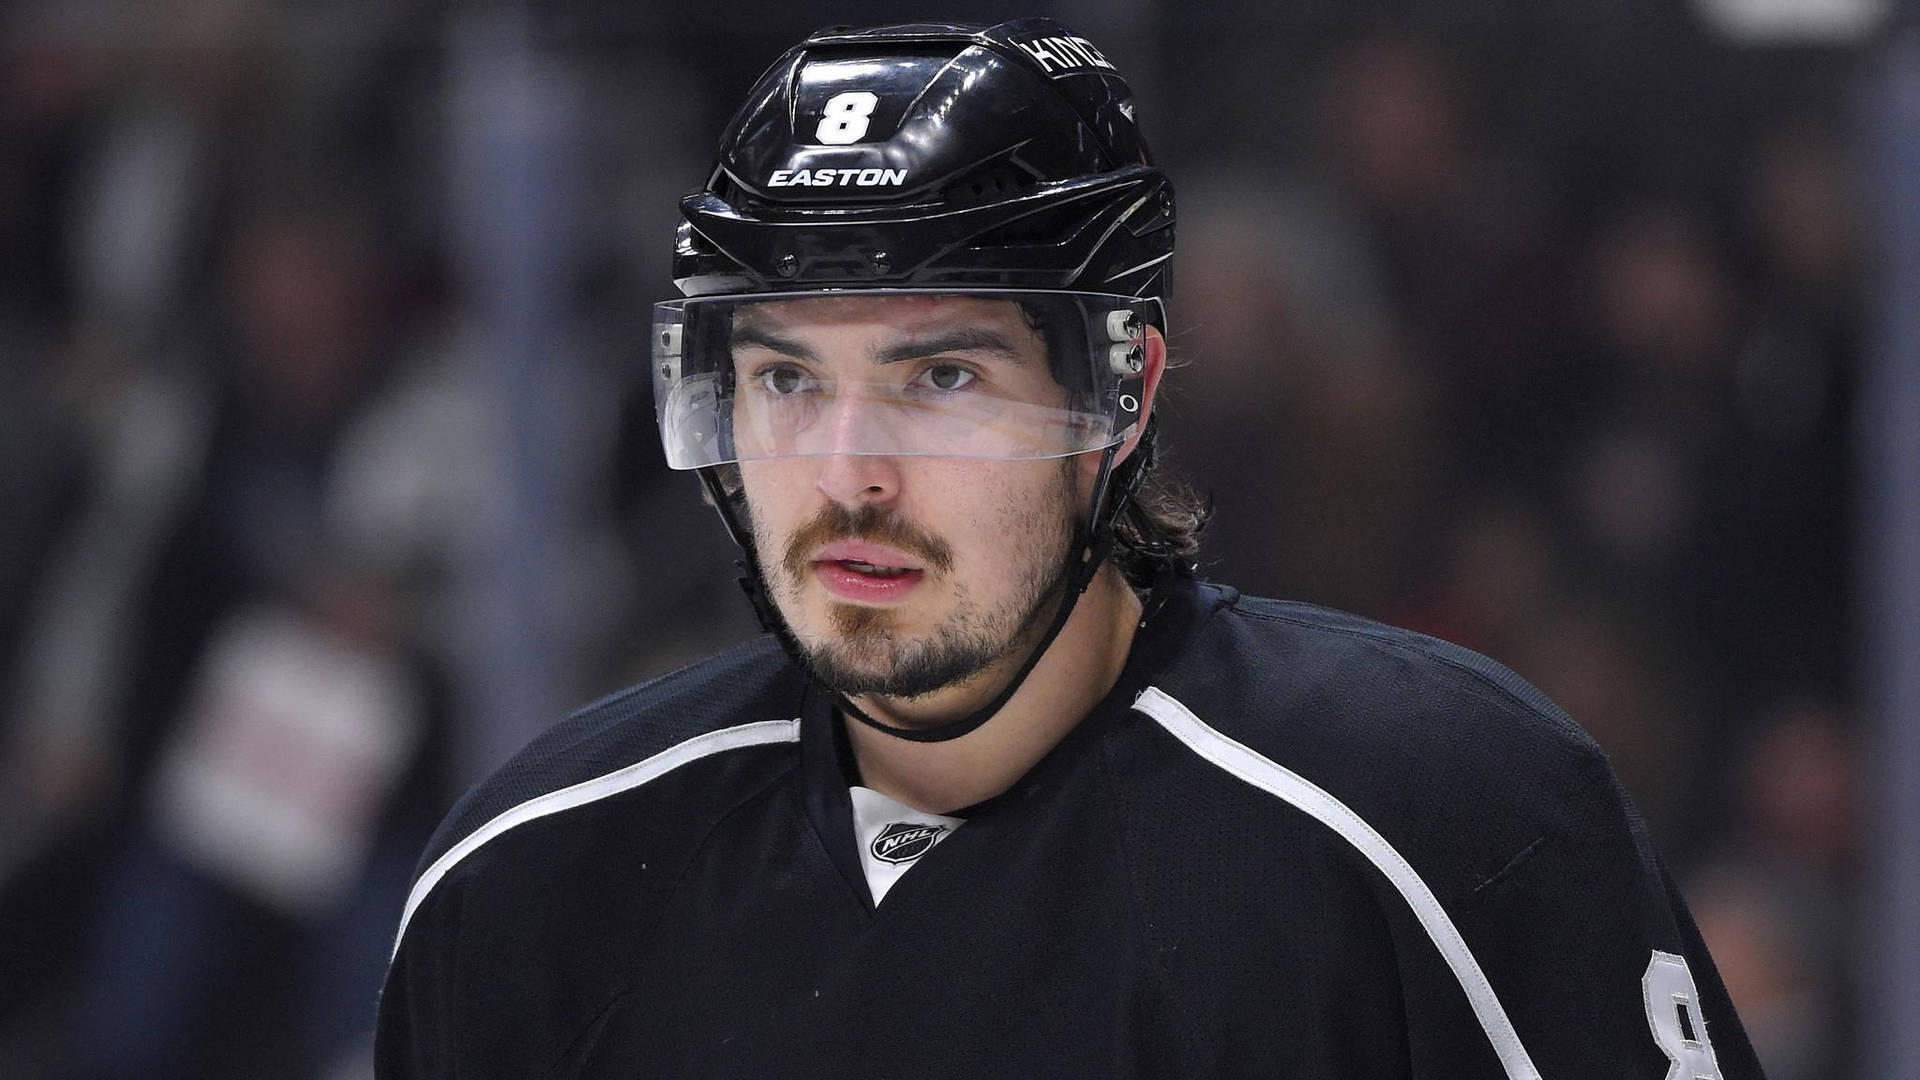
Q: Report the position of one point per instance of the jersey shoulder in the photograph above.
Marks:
(1361, 680)
(750, 684)
(1441, 749)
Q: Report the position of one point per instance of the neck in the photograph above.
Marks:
(1078, 670)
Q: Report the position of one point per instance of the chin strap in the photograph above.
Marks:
(749, 580)
(1092, 544)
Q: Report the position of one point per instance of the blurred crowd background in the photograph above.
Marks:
(329, 475)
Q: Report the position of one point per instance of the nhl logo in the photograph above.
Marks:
(905, 841)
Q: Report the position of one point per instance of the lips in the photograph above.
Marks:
(866, 573)
(867, 553)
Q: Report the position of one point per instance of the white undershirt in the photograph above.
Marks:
(892, 836)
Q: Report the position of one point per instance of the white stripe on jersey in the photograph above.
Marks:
(600, 787)
(1247, 765)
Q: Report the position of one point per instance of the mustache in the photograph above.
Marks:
(870, 523)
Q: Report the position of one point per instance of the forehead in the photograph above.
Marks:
(901, 316)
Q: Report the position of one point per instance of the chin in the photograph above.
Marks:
(853, 622)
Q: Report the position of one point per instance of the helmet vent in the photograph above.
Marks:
(999, 181)
(1048, 226)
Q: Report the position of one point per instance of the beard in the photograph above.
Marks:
(867, 654)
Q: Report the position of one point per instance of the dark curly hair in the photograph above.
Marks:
(1157, 534)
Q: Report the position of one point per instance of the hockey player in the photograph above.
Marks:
(1005, 792)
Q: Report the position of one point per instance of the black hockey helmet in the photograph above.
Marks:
(933, 156)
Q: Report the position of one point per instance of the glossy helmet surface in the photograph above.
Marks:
(933, 156)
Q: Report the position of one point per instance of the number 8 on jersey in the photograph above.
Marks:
(1673, 1008)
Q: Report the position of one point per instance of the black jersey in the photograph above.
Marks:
(1290, 843)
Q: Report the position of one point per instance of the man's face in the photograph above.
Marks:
(901, 575)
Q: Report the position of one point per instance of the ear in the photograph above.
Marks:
(1149, 387)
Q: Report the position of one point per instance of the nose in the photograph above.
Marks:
(852, 479)
(847, 476)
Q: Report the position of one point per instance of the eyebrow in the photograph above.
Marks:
(752, 336)
(964, 339)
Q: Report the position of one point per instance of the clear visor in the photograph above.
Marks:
(976, 373)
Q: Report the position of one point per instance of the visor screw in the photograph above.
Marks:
(878, 262)
(787, 265)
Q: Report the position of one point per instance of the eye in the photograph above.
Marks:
(947, 377)
(784, 380)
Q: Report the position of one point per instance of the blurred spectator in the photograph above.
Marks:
(1664, 305)
(269, 838)
(1359, 445)
(270, 863)
(1767, 968)
(1468, 233)
(1498, 574)
(1777, 895)
(1800, 791)
(145, 443)
(1280, 316)
(1402, 140)
(1800, 202)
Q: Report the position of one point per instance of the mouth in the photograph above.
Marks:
(871, 570)
(863, 573)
